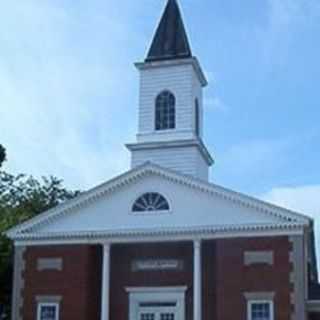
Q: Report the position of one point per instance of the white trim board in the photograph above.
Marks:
(25, 230)
(157, 289)
(159, 236)
(313, 306)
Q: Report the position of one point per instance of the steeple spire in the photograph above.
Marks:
(170, 40)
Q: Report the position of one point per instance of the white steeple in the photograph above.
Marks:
(171, 103)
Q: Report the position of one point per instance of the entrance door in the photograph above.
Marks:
(157, 311)
(156, 303)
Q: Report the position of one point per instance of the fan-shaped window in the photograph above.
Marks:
(165, 117)
(150, 201)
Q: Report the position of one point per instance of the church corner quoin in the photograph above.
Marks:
(161, 242)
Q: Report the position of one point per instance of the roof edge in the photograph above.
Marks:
(173, 144)
(175, 62)
(151, 168)
(205, 232)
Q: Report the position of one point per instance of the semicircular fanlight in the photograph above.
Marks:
(150, 201)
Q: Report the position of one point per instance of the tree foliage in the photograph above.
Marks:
(2, 155)
(21, 198)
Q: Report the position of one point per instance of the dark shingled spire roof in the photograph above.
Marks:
(170, 40)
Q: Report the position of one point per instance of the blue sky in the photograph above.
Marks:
(69, 90)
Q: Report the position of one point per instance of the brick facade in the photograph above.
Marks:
(122, 276)
(78, 283)
(225, 278)
(233, 278)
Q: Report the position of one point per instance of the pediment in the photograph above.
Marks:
(193, 205)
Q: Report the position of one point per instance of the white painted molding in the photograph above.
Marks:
(197, 282)
(25, 230)
(175, 62)
(48, 299)
(105, 285)
(156, 289)
(313, 306)
(49, 264)
(258, 257)
(159, 235)
(197, 142)
(18, 283)
(259, 295)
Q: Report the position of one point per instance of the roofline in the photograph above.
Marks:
(160, 234)
(175, 62)
(149, 168)
(174, 144)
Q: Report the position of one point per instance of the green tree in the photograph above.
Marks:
(21, 198)
(2, 155)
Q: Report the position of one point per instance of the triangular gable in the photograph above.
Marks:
(203, 205)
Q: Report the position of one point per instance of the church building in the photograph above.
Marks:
(161, 242)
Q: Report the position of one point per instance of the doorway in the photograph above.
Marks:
(160, 303)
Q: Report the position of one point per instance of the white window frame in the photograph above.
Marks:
(252, 302)
(48, 304)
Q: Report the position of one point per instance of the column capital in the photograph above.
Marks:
(197, 243)
(106, 246)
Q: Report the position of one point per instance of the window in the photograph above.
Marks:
(165, 111)
(197, 117)
(48, 311)
(150, 201)
(260, 310)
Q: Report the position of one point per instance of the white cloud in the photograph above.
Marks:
(215, 104)
(305, 199)
(63, 85)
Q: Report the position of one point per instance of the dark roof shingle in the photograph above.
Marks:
(170, 40)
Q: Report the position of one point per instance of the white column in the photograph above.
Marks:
(197, 288)
(105, 296)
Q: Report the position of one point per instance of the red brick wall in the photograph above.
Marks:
(233, 278)
(122, 275)
(224, 277)
(78, 283)
(208, 280)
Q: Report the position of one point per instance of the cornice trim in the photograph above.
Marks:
(198, 143)
(175, 62)
(148, 169)
(158, 234)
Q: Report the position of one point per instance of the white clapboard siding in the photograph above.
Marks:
(187, 160)
(183, 81)
(179, 80)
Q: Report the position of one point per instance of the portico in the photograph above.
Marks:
(156, 294)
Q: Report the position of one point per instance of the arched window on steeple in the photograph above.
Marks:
(197, 117)
(165, 115)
